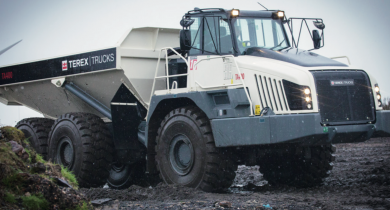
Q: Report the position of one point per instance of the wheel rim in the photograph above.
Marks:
(181, 154)
(120, 175)
(123, 175)
(65, 153)
(118, 167)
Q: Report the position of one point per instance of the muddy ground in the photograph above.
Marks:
(360, 179)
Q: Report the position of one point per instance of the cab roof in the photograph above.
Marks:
(243, 13)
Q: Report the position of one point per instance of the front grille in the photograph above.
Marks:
(271, 93)
(344, 97)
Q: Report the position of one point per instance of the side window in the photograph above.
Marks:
(211, 35)
(195, 36)
(226, 38)
(216, 36)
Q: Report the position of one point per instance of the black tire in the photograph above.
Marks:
(186, 152)
(292, 168)
(82, 143)
(123, 176)
(36, 130)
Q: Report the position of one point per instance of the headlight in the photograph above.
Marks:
(378, 95)
(278, 15)
(298, 96)
(235, 12)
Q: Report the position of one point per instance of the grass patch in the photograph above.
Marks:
(4, 147)
(84, 206)
(13, 182)
(9, 160)
(35, 202)
(29, 159)
(26, 142)
(40, 159)
(9, 198)
(12, 133)
(69, 176)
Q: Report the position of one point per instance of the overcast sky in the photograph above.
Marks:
(355, 28)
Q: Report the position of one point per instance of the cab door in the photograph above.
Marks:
(207, 67)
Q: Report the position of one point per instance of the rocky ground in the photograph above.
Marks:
(360, 179)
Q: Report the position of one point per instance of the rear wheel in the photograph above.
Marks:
(36, 131)
(186, 152)
(298, 167)
(82, 143)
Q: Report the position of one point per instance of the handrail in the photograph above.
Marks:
(176, 75)
(344, 56)
(240, 76)
(174, 85)
(167, 72)
(217, 86)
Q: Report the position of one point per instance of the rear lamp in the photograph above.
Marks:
(235, 12)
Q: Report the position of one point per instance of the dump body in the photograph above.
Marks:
(99, 73)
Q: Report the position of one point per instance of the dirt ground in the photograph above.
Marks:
(360, 179)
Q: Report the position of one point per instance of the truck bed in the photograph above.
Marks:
(99, 73)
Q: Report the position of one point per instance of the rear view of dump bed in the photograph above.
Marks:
(98, 73)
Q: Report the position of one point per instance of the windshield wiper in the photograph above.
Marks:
(278, 45)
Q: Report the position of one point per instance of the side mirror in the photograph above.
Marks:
(187, 22)
(316, 39)
(319, 25)
(185, 40)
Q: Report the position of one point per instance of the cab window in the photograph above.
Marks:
(216, 35)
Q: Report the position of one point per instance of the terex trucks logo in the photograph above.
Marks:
(88, 61)
(347, 82)
(64, 65)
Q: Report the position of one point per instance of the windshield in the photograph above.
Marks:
(259, 32)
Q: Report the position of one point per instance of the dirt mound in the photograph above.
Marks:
(26, 180)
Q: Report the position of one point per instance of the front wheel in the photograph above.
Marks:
(303, 167)
(186, 152)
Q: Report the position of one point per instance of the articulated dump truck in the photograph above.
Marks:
(188, 106)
